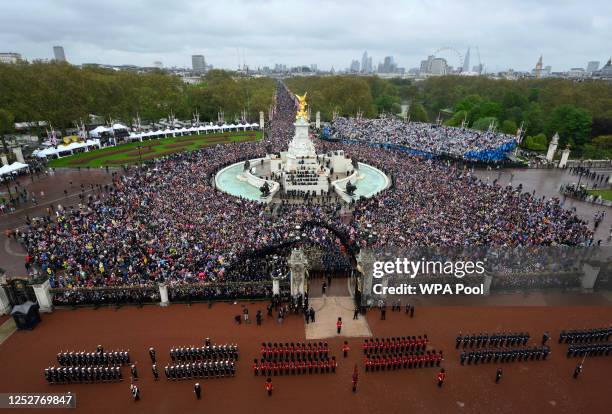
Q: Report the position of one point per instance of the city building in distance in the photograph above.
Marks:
(198, 63)
(58, 53)
(9, 57)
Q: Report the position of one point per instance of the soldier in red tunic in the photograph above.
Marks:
(269, 386)
(339, 325)
(345, 349)
(255, 367)
(441, 377)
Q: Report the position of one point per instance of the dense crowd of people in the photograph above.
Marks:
(425, 138)
(166, 222)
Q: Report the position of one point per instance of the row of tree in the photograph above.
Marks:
(64, 94)
(581, 112)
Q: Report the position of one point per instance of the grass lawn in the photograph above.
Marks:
(129, 153)
(605, 194)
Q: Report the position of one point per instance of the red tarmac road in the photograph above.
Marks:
(527, 387)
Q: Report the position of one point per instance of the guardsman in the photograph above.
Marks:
(152, 354)
(269, 386)
(577, 371)
(355, 378)
(197, 390)
(441, 377)
(545, 338)
(255, 367)
(458, 341)
(345, 349)
(155, 372)
(135, 392)
(339, 325)
(498, 375)
(134, 372)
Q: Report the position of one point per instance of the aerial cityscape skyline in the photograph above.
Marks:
(507, 36)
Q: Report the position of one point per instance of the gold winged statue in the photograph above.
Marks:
(302, 103)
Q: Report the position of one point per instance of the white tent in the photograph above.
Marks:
(52, 151)
(16, 166)
(97, 131)
(119, 126)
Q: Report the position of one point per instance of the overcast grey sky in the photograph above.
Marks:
(509, 34)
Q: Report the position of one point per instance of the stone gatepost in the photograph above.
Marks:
(163, 295)
(275, 286)
(365, 265)
(43, 296)
(552, 147)
(488, 279)
(298, 263)
(564, 157)
(589, 277)
(318, 120)
(261, 120)
(18, 155)
(5, 303)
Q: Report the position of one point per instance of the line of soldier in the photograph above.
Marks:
(589, 350)
(210, 352)
(392, 344)
(420, 359)
(585, 335)
(502, 339)
(212, 369)
(83, 374)
(324, 365)
(300, 351)
(505, 355)
(93, 358)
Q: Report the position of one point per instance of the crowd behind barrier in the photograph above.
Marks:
(165, 222)
(425, 139)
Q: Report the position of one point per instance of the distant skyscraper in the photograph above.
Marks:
(198, 63)
(364, 62)
(158, 64)
(388, 65)
(592, 66)
(537, 71)
(466, 62)
(606, 71)
(434, 66)
(58, 53)
(354, 66)
(369, 66)
(438, 66)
